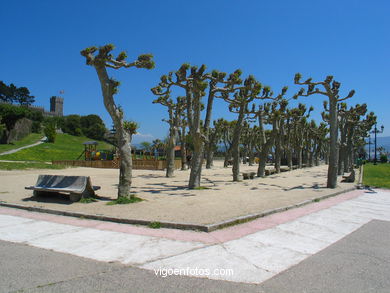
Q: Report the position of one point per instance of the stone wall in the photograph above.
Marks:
(21, 129)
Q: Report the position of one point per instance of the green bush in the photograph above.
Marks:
(50, 132)
(2, 128)
(155, 225)
(124, 200)
(383, 158)
(36, 127)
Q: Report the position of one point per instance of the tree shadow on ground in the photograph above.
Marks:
(314, 187)
(164, 187)
(102, 198)
(148, 176)
(368, 189)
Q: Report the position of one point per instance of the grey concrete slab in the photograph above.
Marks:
(28, 269)
(23, 266)
(357, 263)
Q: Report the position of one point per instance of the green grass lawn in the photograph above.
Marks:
(29, 139)
(66, 147)
(28, 165)
(377, 175)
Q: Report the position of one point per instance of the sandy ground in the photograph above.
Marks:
(168, 199)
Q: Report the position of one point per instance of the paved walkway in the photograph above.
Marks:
(250, 253)
(42, 140)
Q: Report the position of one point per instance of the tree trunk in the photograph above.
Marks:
(299, 153)
(183, 152)
(307, 156)
(333, 147)
(126, 163)
(348, 160)
(251, 157)
(196, 163)
(236, 145)
(289, 159)
(311, 157)
(245, 155)
(171, 156)
(228, 155)
(209, 159)
(262, 163)
(278, 158)
(317, 155)
(278, 151)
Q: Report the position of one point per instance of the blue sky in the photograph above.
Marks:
(272, 40)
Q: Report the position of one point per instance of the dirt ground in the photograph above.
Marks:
(168, 199)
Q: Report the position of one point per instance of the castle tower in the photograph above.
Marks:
(57, 106)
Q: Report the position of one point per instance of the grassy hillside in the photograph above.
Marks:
(377, 175)
(66, 147)
(29, 139)
(28, 165)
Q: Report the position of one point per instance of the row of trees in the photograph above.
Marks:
(265, 123)
(285, 132)
(15, 95)
(91, 126)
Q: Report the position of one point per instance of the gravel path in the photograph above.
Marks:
(42, 140)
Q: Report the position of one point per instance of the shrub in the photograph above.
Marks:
(36, 127)
(50, 132)
(155, 225)
(383, 158)
(124, 200)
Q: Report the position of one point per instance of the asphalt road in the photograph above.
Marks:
(357, 263)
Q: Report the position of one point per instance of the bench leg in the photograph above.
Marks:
(37, 193)
(74, 197)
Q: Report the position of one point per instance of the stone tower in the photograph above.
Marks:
(57, 106)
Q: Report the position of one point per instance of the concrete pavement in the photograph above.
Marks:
(250, 253)
(358, 263)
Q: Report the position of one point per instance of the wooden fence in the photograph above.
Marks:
(114, 164)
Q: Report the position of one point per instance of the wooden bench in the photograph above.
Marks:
(350, 178)
(76, 186)
(250, 175)
(269, 172)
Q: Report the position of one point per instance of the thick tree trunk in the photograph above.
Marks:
(196, 163)
(317, 155)
(262, 163)
(209, 159)
(183, 152)
(228, 155)
(171, 157)
(278, 154)
(236, 145)
(236, 162)
(348, 160)
(126, 163)
(299, 154)
(333, 147)
(245, 155)
(251, 157)
(307, 156)
(289, 159)
(311, 159)
(183, 149)
(341, 161)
